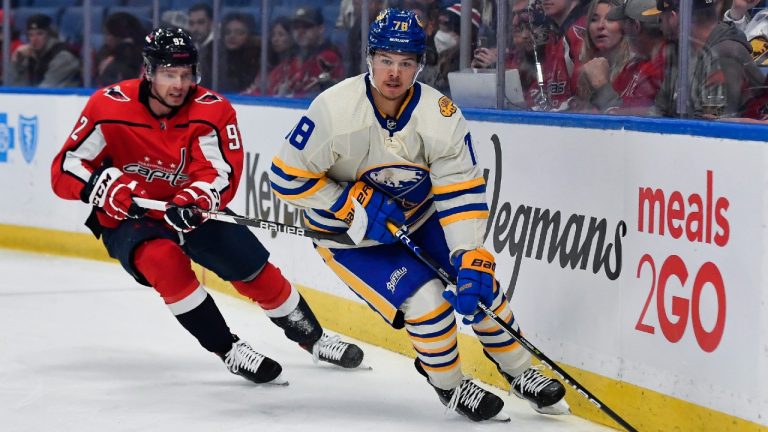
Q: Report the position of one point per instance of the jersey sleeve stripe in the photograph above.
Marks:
(280, 173)
(463, 209)
(315, 224)
(298, 172)
(438, 190)
(463, 216)
(209, 145)
(308, 188)
(88, 150)
(451, 195)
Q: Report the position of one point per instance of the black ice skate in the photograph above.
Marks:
(332, 349)
(470, 400)
(242, 360)
(545, 395)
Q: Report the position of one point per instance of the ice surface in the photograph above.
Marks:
(85, 348)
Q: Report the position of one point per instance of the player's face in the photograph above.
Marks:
(172, 84)
(393, 73)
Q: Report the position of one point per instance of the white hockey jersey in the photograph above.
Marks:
(423, 158)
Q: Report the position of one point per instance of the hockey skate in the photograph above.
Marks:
(331, 349)
(242, 360)
(545, 395)
(470, 400)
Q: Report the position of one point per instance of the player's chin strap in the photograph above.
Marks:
(402, 234)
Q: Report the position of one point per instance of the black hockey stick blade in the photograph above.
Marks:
(343, 238)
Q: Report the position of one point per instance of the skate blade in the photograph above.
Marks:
(559, 408)
(500, 417)
(279, 381)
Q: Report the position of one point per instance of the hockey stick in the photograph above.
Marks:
(402, 235)
(343, 238)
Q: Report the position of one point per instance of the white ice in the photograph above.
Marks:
(85, 348)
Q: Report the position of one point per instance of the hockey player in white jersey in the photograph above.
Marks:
(382, 147)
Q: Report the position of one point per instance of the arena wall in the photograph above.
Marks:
(634, 249)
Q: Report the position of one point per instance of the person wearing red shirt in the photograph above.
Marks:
(164, 137)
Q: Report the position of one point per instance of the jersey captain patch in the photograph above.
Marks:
(208, 98)
(116, 94)
(447, 108)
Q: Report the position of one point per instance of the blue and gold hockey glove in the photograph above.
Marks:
(476, 283)
(378, 209)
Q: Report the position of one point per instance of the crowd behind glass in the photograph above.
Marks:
(621, 57)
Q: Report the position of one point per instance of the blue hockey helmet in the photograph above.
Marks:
(397, 30)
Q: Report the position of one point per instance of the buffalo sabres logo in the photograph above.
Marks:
(381, 15)
(208, 98)
(447, 108)
(116, 94)
(28, 137)
(409, 185)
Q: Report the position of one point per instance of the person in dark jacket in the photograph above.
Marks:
(722, 75)
(120, 56)
(45, 61)
(241, 53)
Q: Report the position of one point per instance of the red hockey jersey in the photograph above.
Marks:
(200, 141)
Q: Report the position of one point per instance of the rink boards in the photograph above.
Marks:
(634, 249)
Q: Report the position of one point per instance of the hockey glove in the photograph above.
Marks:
(476, 283)
(183, 212)
(111, 190)
(378, 210)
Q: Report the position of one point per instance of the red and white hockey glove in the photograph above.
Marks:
(111, 190)
(183, 212)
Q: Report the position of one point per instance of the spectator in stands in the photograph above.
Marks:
(447, 43)
(120, 57)
(429, 19)
(604, 54)
(15, 41)
(320, 64)
(561, 52)
(738, 13)
(282, 58)
(45, 60)
(241, 56)
(200, 22)
(633, 90)
(353, 36)
(722, 75)
(523, 23)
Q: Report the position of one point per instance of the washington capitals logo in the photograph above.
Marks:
(208, 98)
(116, 94)
(28, 137)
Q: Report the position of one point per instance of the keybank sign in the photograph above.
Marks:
(22, 137)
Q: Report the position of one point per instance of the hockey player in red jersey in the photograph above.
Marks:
(164, 137)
